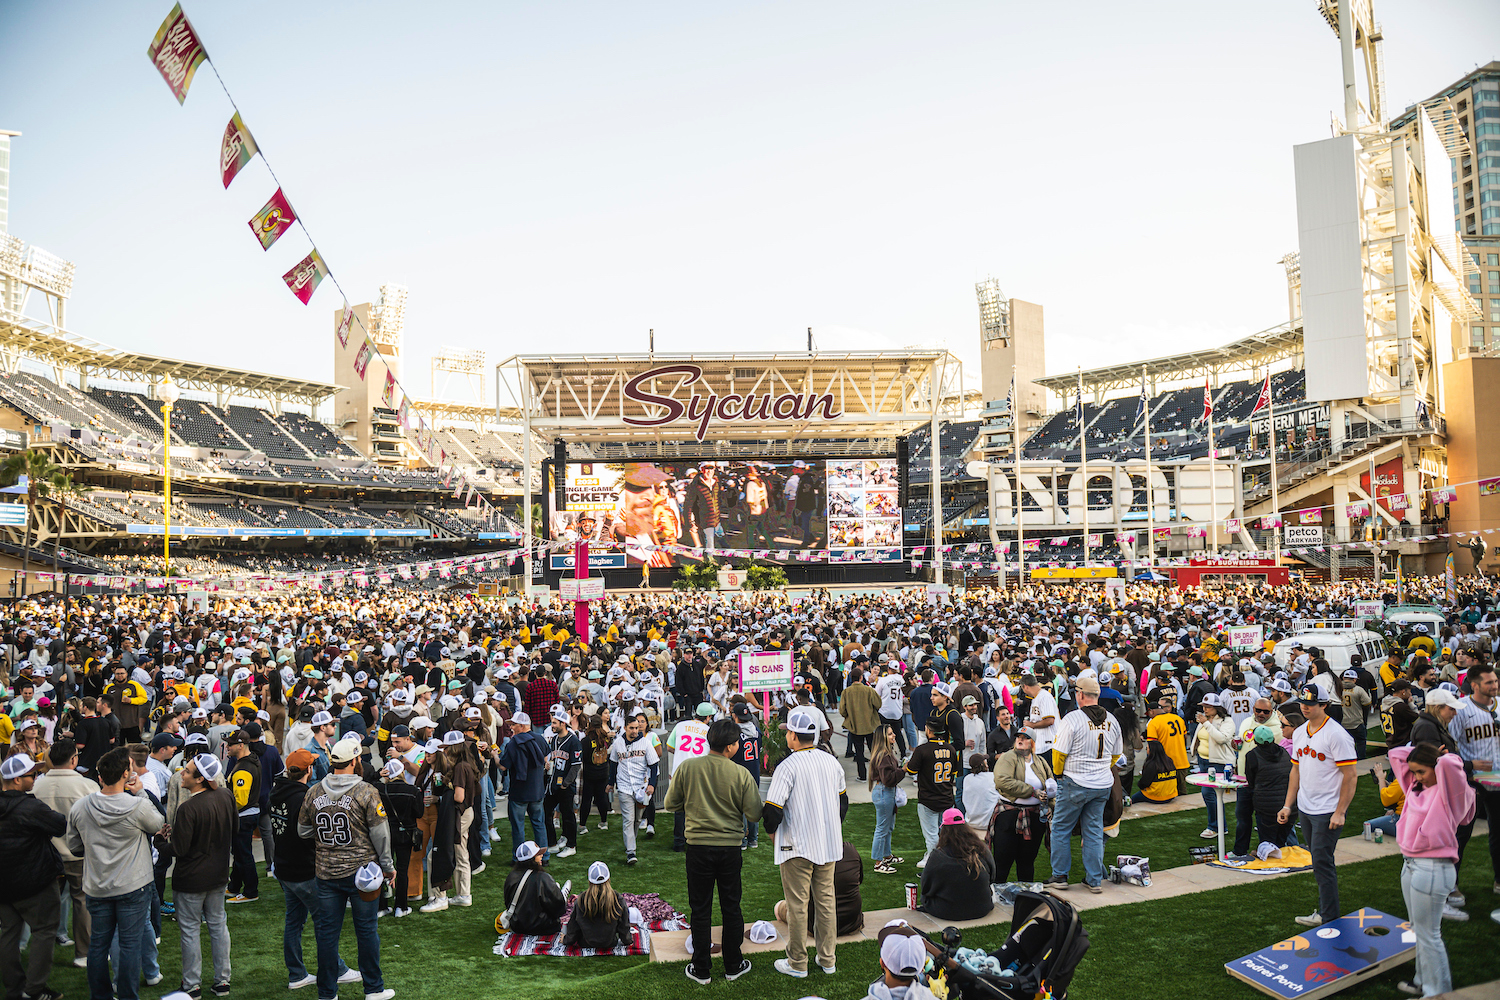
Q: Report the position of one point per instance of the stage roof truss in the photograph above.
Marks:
(583, 398)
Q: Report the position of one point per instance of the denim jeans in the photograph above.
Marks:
(108, 914)
(519, 813)
(1385, 824)
(910, 729)
(191, 906)
(333, 895)
(1210, 795)
(1321, 842)
(1075, 803)
(150, 964)
(885, 819)
(487, 810)
(1425, 884)
(301, 903)
(931, 822)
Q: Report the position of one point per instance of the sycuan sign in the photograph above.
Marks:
(731, 408)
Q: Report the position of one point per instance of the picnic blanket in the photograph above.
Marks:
(656, 913)
(1293, 859)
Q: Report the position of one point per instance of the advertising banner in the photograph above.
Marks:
(766, 670)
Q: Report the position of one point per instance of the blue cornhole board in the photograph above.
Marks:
(1323, 960)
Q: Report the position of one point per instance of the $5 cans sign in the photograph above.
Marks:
(766, 670)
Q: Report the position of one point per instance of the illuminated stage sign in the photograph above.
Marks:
(730, 408)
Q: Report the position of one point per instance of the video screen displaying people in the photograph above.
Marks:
(780, 505)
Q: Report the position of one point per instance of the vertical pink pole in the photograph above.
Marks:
(581, 608)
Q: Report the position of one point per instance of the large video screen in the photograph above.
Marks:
(844, 507)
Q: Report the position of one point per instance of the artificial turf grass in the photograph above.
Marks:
(448, 944)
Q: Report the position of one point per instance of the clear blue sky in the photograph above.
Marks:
(563, 176)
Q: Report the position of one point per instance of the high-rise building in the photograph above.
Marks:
(1012, 344)
(1476, 194)
(5, 138)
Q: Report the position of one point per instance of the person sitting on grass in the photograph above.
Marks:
(1394, 800)
(535, 902)
(1158, 779)
(1268, 768)
(956, 881)
(600, 918)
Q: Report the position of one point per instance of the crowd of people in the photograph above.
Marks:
(367, 739)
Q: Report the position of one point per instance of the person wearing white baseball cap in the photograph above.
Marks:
(345, 815)
(600, 919)
(30, 899)
(532, 897)
(804, 810)
(903, 956)
(202, 831)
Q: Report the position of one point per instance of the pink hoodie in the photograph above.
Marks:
(1428, 826)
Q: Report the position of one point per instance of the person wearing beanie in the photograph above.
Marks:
(1268, 768)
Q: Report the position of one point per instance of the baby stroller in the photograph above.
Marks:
(1047, 942)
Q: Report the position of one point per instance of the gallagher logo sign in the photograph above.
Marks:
(731, 408)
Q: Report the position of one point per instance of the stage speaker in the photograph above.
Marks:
(559, 474)
(903, 465)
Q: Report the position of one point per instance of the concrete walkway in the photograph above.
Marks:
(672, 946)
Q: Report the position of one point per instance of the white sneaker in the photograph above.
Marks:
(83, 963)
(643, 824)
(494, 834)
(583, 829)
(484, 853)
(651, 831)
(481, 868)
(350, 975)
(403, 911)
(460, 900)
(1208, 834)
(1454, 913)
(1455, 898)
(384, 994)
(785, 968)
(561, 843)
(602, 826)
(304, 981)
(567, 852)
(437, 904)
(1311, 920)
(923, 862)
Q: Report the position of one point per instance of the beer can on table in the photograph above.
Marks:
(1368, 835)
(911, 895)
(1379, 835)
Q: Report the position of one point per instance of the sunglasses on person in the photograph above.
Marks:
(1262, 711)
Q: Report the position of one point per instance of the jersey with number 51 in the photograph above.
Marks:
(344, 817)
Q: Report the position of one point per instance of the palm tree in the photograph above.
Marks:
(40, 472)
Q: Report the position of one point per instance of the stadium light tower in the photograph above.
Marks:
(994, 310)
(468, 362)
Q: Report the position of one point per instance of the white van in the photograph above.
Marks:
(1339, 639)
(1413, 614)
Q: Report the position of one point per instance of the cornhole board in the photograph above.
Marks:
(1321, 961)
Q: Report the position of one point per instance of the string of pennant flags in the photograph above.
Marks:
(177, 52)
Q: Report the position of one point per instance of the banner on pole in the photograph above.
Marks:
(237, 149)
(275, 218)
(303, 279)
(176, 52)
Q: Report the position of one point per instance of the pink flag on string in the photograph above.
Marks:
(176, 52)
(303, 279)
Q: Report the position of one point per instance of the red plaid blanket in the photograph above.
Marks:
(660, 917)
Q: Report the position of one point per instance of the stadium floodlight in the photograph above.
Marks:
(994, 311)
(12, 255)
(462, 361)
(388, 318)
(48, 271)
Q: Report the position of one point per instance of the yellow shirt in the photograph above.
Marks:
(1172, 732)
